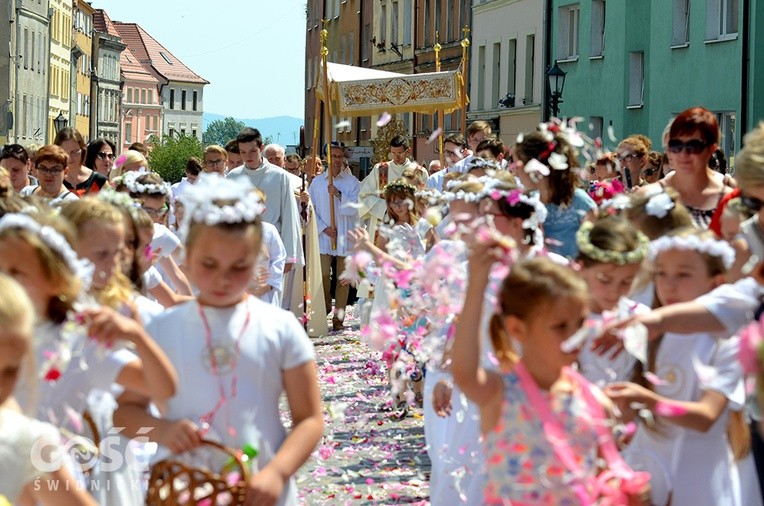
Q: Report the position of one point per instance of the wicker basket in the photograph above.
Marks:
(174, 483)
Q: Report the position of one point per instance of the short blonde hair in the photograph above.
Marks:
(128, 157)
(214, 148)
(749, 163)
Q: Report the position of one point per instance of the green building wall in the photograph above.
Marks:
(700, 73)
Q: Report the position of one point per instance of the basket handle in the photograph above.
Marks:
(244, 473)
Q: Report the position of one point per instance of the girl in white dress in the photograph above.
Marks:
(22, 481)
(691, 395)
(235, 355)
(610, 253)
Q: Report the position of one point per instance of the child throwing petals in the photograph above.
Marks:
(234, 354)
(690, 395)
(543, 423)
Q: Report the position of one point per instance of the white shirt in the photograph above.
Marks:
(271, 342)
(280, 206)
(64, 196)
(345, 211)
(180, 187)
(435, 182)
(275, 256)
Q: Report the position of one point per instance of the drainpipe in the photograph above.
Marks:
(546, 59)
(17, 65)
(744, 73)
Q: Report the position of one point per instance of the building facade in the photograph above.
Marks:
(634, 66)
(506, 66)
(180, 93)
(440, 21)
(82, 66)
(106, 87)
(60, 85)
(24, 82)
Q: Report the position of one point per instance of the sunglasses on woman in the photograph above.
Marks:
(692, 147)
(104, 156)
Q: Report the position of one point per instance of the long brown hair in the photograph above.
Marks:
(562, 183)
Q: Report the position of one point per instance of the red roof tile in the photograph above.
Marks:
(151, 53)
(130, 64)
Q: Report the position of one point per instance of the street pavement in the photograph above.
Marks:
(365, 456)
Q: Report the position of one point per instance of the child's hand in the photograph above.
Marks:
(485, 252)
(441, 398)
(359, 238)
(107, 326)
(624, 394)
(609, 342)
(265, 488)
(180, 436)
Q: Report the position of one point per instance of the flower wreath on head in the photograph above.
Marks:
(481, 163)
(121, 200)
(215, 199)
(131, 181)
(659, 203)
(604, 256)
(449, 195)
(708, 246)
(493, 189)
(400, 186)
(432, 196)
(80, 267)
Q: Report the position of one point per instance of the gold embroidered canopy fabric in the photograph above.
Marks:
(356, 91)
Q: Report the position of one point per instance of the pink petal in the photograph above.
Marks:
(654, 379)
(434, 135)
(668, 410)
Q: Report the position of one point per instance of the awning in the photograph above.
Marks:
(357, 91)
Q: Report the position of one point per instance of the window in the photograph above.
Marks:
(172, 132)
(382, 25)
(172, 99)
(25, 56)
(727, 134)
(512, 67)
(194, 100)
(165, 57)
(129, 95)
(721, 19)
(183, 100)
(365, 46)
(193, 133)
(450, 19)
(154, 122)
(567, 38)
(496, 75)
(530, 63)
(128, 133)
(426, 31)
(596, 126)
(406, 22)
(150, 96)
(680, 32)
(597, 47)
(31, 59)
(636, 78)
(143, 97)
(438, 11)
(480, 78)
(394, 23)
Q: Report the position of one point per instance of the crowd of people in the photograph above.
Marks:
(571, 320)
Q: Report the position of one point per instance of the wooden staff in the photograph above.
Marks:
(441, 114)
(328, 123)
(465, 72)
(305, 314)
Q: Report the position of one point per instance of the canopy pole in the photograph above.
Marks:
(328, 123)
(465, 73)
(437, 47)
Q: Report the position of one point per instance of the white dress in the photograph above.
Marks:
(18, 435)
(697, 466)
(272, 342)
(272, 258)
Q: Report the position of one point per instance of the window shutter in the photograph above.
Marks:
(713, 15)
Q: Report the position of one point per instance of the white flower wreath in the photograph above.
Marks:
(711, 247)
(80, 267)
(200, 201)
(131, 181)
(659, 203)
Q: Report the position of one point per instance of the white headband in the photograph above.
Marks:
(659, 203)
(199, 201)
(693, 242)
(82, 268)
(131, 181)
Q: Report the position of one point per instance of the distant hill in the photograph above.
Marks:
(282, 129)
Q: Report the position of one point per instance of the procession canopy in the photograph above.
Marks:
(358, 91)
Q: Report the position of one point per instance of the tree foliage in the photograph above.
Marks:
(221, 131)
(170, 154)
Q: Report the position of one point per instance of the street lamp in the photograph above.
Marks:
(556, 80)
(60, 122)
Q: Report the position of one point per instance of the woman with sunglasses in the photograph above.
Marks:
(80, 179)
(693, 138)
(100, 156)
(632, 155)
(653, 169)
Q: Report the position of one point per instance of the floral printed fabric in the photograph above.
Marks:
(523, 468)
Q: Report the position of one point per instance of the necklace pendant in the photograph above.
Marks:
(222, 354)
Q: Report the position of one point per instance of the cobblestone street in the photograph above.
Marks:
(365, 457)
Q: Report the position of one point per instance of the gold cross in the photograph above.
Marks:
(466, 31)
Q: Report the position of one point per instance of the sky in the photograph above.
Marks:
(251, 51)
